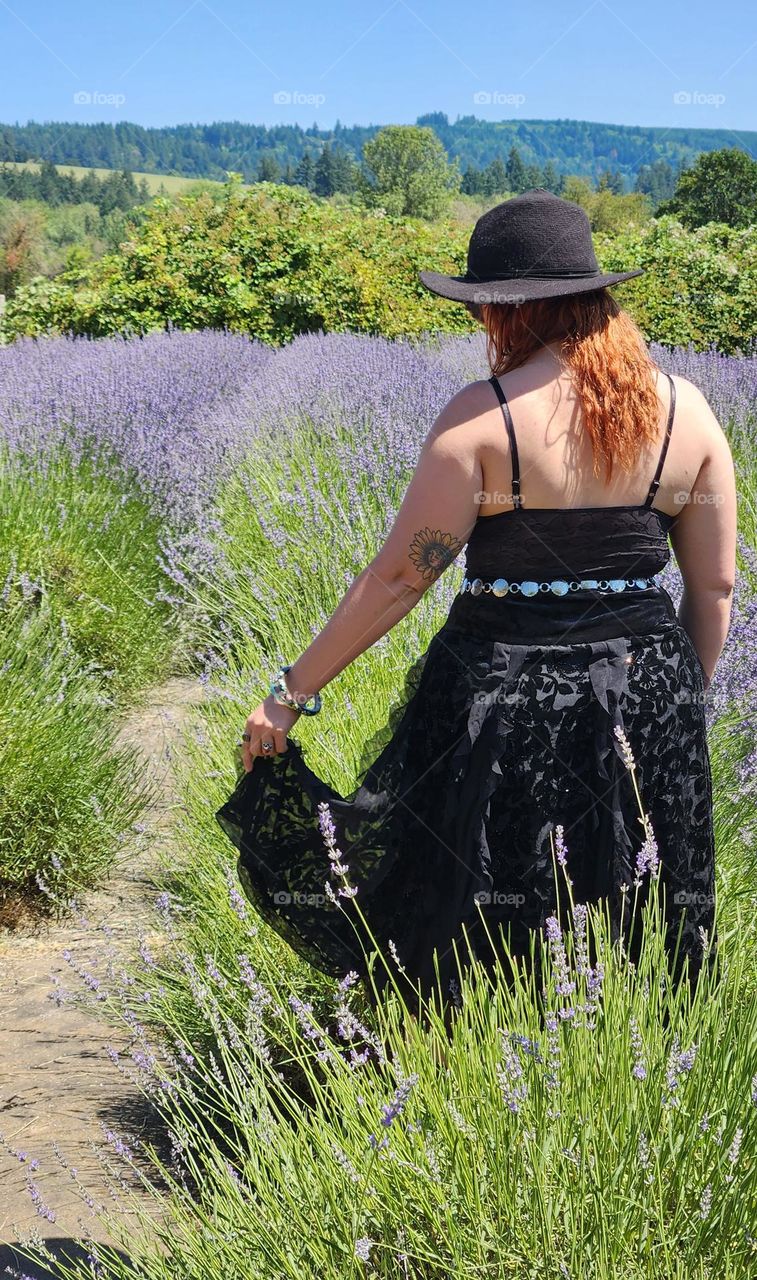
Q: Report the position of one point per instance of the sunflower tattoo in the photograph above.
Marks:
(431, 551)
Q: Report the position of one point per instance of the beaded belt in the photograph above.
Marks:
(558, 587)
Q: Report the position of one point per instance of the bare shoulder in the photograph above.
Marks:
(694, 411)
(460, 422)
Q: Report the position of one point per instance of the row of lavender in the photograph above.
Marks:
(170, 415)
(124, 452)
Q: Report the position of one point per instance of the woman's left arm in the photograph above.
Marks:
(432, 526)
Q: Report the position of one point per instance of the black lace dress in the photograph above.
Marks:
(504, 729)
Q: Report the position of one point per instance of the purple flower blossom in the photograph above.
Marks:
(564, 984)
(363, 1248)
(561, 852)
(391, 1110)
(639, 1069)
(680, 1063)
(648, 858)
(511, 1077)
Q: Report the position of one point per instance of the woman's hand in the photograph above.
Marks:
(269, 723)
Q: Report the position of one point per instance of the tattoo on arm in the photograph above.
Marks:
(431, 551)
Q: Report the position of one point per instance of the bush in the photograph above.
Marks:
(74, 535)
(67, 795)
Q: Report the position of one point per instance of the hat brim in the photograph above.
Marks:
(459, 289)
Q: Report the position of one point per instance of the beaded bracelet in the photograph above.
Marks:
(284, 698)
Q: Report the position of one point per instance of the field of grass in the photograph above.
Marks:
(605, 1127)
(171, 184)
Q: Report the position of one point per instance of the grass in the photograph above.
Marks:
(91, 545)
(67, 794)
(81, 637)
(172, 184)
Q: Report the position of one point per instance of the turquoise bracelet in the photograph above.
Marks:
(283, 697)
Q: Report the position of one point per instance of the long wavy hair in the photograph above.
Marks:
(612, 370)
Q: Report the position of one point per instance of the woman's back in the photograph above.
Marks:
(555, 452)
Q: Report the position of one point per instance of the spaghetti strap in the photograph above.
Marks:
(654, 486)
(517, 500)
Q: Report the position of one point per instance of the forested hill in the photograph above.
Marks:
(210, 150)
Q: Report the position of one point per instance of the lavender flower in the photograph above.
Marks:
(625, 748)
(639, 1069)
(564, 984)
(363, 1248)
(648, 858)
(680, 1063)
(397, 1105)
(511, 1077)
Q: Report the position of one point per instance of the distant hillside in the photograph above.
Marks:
(210, 150)
(153, 181)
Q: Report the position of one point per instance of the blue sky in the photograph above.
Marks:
(679, 64)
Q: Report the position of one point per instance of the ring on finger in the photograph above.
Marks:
(246, 737)
(267, 746)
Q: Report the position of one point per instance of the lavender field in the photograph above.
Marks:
(197, 503)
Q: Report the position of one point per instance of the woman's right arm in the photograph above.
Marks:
(704, 538)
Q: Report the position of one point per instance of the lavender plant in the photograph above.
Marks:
(604, 1124)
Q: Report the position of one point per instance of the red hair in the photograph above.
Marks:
(606, 353)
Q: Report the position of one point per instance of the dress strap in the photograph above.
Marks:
(517, 500)
(654, 486)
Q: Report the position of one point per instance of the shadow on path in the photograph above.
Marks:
(65, 1250)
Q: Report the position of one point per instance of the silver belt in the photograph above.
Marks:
(558, 586)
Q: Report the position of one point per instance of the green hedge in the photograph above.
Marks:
(274, 261)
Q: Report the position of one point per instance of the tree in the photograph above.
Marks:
(551, 180)
(516, 172)
(325, 182)
(471, 183)
(721, 186)
(656, 180)
(408, 173)
(495, 177)
(611, 181)
(21, 238)
(268, 169)
(304, 174)
(344, 170)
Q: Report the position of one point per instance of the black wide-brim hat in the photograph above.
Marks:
(536, 245)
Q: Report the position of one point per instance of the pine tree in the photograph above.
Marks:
(496, 177)
(344, 170)
(268, 168)
(324, 184)
(550, 179)
(515, 171)
(304, 174)
(471, 183)
(611, 181)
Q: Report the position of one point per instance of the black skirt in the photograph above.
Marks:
(505, 728)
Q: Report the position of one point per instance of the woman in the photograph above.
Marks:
(565, 473)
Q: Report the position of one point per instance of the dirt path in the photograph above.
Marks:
(57, 1084)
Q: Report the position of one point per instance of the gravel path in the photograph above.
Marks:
(57, 1084)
